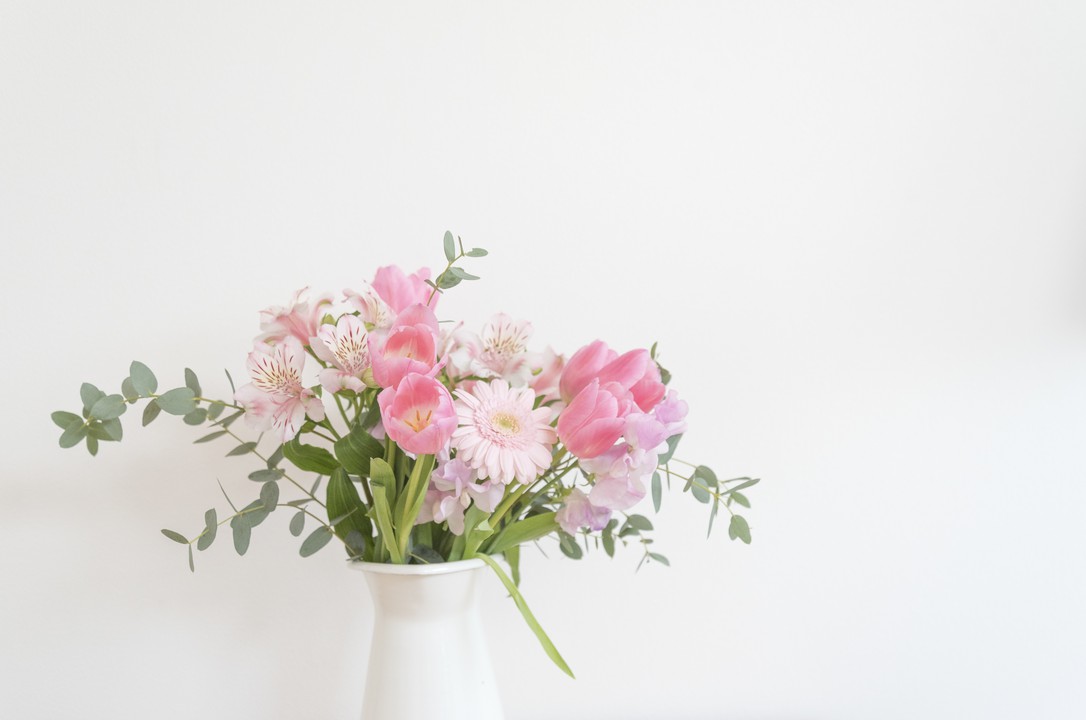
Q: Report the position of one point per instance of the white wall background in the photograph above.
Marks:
(855, 228)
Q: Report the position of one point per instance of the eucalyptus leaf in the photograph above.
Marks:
(243, 449)
(700, 493)
(739, 529)
(315, 541)
(210, 436)
(143, 380)
(657, 491)
(672, 443)
(608, 539)
(707, 476)
(265, 476)
(739, 498)
(660, 559)
(108, 407)
(63, 419)
(215, 409)
(211, 528)
(476, 252)
(192, 562)
(192, 383)
(297, 523)
(640, 522)
(113, 429)
(243, 533)
(129, 390)
(569, 546)
(462, 274)
(73, 435)
(447, 280)
(450, 246)
(89, 394)
(150, 412)
(269, 495)
(196, 417)
(179, 401)
(92, 445)
(175, 536)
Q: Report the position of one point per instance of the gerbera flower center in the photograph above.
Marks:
(505, 423)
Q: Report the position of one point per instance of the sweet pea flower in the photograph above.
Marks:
(300, 319)
(672, 413)
(275, 399)
(577, 512)
(593, 421)
(409, 347)
(452, 489)
(346, 346)
(583, 367)
(418, 414)
(645, 432)
(400, 290)
(619, 476)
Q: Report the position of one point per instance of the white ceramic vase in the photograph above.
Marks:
(429, 659)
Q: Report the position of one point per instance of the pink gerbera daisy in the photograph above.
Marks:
(500, 435)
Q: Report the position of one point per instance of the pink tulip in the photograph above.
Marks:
(400, 290)
(418, 414)
(592, 422)
(583, 367)
(409, 347)
(635, 371)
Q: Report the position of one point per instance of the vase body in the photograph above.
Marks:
(429, 659)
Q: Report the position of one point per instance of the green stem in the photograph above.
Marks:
(292, 481)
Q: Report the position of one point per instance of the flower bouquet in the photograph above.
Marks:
(434, 444)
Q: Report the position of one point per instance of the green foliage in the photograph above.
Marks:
(175, 536)
(355, 450)
(192, 383)
(309, 458)
(266, 475)
(244, 449)
(297, 523)
(211, 528)
(179, 401)
(739, 529)
(342, 500)
(511, 588)
(143, 380)
(89, 394)
(210, 436)
(384, 483)
(450, 247)
(522, 531)
(657, 491)
(315, 541)
(151, 412)
(569, 545)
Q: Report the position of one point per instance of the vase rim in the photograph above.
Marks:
(443, 568)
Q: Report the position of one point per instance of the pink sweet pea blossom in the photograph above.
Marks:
(345, 346)
(619, 476)
(593, 421)
(276, 399)
(452, 489)
(418, 414)
(577, 512)
(400, 290)
(672, 413)
(300, 319)
(409, 347)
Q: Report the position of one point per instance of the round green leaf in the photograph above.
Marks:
(108, 407)
(143, 380)
(64, 419)
(179, 401)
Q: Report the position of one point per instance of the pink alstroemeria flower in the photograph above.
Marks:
(276, 399)
(400, 290)
(374, 311)
(593, 421)
(577, 512)
(503, 351)
(300, 319)
(346, 346)
(418, 414)
(546, 370)
(409, 347)
(634, 370)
